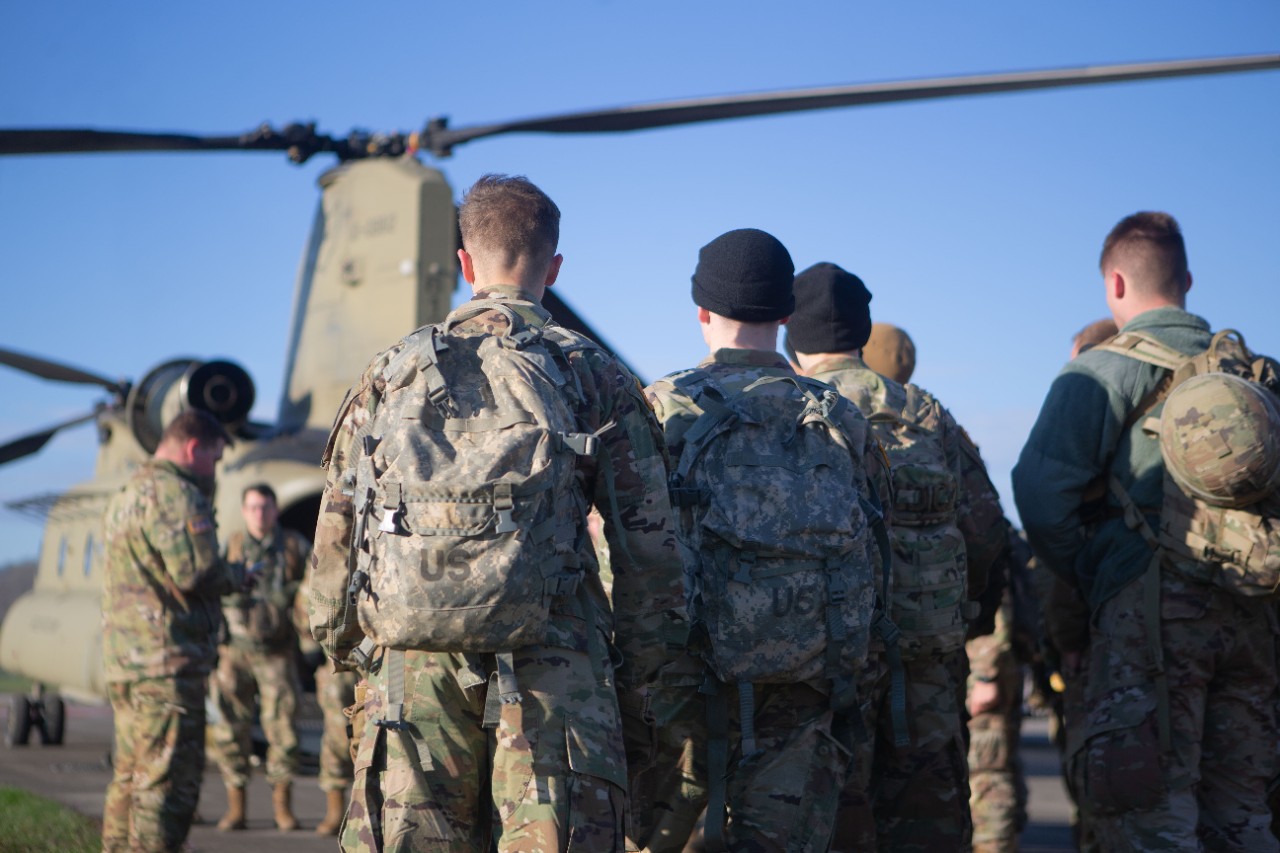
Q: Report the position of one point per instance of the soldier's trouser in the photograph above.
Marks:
(551, 776)
(334, 692)
(1210, 788)
(666, 737)
(272, 679)
(913, 797)
(783, 798)
(998, 790)
(1074, 716)
(157, 763)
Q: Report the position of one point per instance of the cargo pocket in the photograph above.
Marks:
(599, 815)
(1121, 763)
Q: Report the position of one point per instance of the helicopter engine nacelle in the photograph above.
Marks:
(222, 388)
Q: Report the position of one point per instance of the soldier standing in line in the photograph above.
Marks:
(160, 616)
(1179, 736)
(335, 693)
(911, 788)
(523, 748)
(1066, 622)
(997, 783)
(257, 665)
(794, 732)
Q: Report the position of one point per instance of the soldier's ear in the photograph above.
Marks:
(467, 265)
(554, 270)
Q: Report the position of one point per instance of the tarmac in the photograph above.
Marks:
(76, 774)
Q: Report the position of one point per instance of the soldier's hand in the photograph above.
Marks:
(983, 697)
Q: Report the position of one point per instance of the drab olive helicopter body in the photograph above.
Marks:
(379, 262)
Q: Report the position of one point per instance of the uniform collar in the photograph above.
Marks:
(1165, 316)
(751, 357)
(839, 361)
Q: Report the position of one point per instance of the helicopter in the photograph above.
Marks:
(380, 261)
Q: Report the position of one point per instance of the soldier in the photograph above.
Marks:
(793, 735)
(1066, 621)
(1179, 737)
(997, 783)
(160, 618)
(519, 747)
(890, 352)
(911, 789)
(335, 693)
(257, 667)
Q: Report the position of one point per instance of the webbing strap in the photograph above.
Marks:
(897, 678)
(717, 762)
(747, 719)
(1136, 521)
(393, 717)
(503, 689)
(362, 655)
(837, 594)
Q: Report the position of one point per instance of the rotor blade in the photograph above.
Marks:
(570, 319)
(72, 140)
(440, 140)
(29, 444)
(300, 140)
(46, 369)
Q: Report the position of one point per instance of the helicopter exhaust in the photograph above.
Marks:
(222, 388)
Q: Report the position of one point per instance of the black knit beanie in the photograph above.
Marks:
(831, 311)
(745, 275)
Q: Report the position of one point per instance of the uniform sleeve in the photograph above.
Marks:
(1058, 464)
(991, 653)
(333, 624)
(980, 517)
(183, 534)
(630, 491)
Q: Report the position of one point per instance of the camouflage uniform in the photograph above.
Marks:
(160, 624)
(786, 797)
(335, 692)
(916, 797)
(257, 668)
(997, 785)
(553, 774)
(1216, 650)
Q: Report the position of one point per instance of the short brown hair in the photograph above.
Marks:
(198, 424)
(1093, 334)
(508, 217)
(1149, 247)
(260, 489)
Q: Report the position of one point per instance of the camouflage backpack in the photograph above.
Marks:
(468, 514)
(775, 531)
(1217, 417)
(930, 602)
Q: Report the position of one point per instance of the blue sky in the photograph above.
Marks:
(976, 222)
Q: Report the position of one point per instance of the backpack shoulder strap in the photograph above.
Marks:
(1145, 348)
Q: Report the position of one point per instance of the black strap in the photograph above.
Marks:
(717, 762)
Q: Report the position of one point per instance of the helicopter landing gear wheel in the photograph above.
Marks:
(19, 727)
(53, 720)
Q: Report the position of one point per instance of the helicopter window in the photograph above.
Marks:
(62, 555)
(88, 555)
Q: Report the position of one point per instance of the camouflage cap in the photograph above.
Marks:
(890, 352)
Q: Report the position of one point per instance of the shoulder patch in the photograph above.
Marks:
(200, 524)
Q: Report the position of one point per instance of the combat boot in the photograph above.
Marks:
(282, 800)
(234, 818)
(334, 809)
